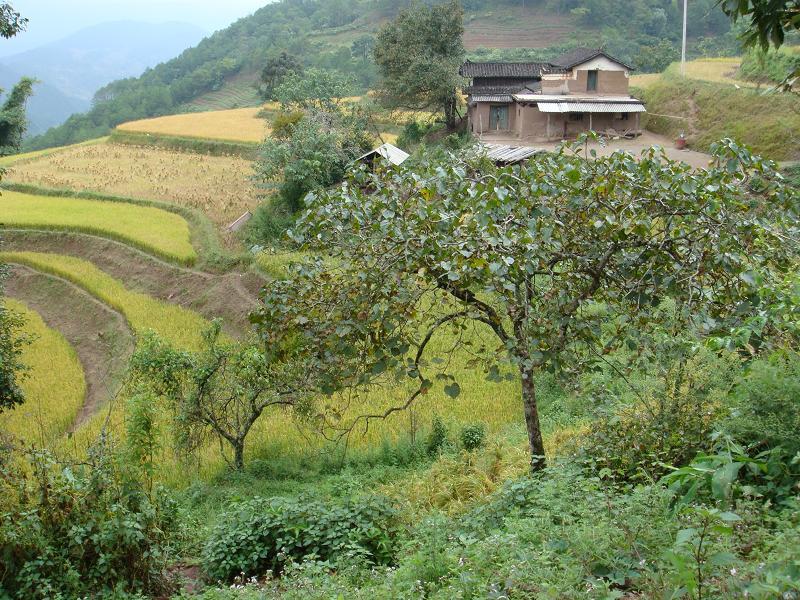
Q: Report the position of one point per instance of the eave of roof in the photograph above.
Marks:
(579, 56)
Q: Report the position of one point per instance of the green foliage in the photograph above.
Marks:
(142, 439)
(270, 222)
(70, 531)
(729, 473)
(284, 122)
(555, 270)
(316, 153)
(12, 343)
(418, 56)
(771, 66)
(696, 566)
(665, 423)
(13, 121)
(314, 89)
(275, 72)
(473, 436)
(264, 535)
(437, 437)
(765, 412)
(11, 22)
(412, 134)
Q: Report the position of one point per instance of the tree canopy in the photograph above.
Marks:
(418, 55)
(555, 263)
(276, 71)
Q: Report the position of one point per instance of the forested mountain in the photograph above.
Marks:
(331, 34)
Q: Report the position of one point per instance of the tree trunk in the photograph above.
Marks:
(450, 112)
(238, 455)
(532, 419)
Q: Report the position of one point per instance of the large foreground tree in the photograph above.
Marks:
(554, 263)
(418, 55)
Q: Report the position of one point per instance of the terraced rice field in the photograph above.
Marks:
(717, 70)
(516, 27)
(238, 92)
(54, 384)
(219, 186)
(180, 327)
(236, 125)
(151, 229)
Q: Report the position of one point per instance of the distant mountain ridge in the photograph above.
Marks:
(80, 64)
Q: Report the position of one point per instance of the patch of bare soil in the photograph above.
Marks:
(100, 335)
(231, 296)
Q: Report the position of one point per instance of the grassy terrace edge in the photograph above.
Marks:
(193, 145)
(203, 235)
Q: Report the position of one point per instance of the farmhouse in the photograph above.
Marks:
(585, 89)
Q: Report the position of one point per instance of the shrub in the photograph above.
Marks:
(667, 424)
(473, 436)
(437, 437)
(765, 407)
(270, 221)
(67, 532)
(283, 124)
(264, 535)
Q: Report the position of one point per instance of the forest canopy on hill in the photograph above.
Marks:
(325, 34)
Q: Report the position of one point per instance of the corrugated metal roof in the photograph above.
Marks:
(509, 155)
(592, 107)
(491, 98)
(574, 98)
(391, 153)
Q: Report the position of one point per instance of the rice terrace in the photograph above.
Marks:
(387, 299)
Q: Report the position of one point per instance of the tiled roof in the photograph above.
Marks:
(581, 55)
(519, 88)
(502, 69)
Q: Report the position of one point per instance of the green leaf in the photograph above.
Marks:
(723, 478)
(452, 390)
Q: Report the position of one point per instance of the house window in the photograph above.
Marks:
(621, 116)
(576, 116)
(591, 81)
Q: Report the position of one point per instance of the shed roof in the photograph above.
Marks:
(503, 154)
(592, 107)
(579, 56)
(502, 69)
(391, 153)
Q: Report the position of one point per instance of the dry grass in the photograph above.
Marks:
(236, 125)
(7, 161)
(54, 387)
(150, 229)
(219, 186)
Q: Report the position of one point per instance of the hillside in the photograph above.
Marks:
(707, 107)
(220, 71)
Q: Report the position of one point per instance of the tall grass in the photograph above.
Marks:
(150, 229)
(54, 384)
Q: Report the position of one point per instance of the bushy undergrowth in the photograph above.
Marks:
(66, 531)
(264, 535)
(664, 421)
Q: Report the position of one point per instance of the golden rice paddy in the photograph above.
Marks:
(151, 229)
(219, 186)
(54, 384)
(236, 125)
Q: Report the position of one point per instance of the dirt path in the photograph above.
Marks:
(230, 297)
(99, 335)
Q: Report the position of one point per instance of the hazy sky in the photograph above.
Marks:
(54, 19)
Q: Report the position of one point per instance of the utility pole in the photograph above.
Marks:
(683, 45)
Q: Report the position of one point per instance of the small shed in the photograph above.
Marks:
(391, 153)
(503, 155)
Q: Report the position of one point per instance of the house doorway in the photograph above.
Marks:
(498, 118)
